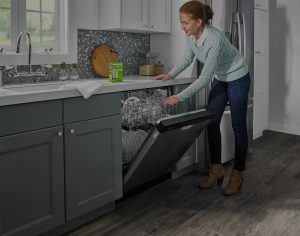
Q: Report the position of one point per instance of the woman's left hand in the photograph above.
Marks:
(172, 100)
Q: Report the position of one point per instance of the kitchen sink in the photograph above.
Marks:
(34, 87)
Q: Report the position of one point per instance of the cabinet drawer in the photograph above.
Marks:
(79, 109)
(30, 116)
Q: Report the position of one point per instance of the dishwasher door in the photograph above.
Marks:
(165, 145)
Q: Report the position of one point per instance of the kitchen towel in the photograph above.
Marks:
(86, 89)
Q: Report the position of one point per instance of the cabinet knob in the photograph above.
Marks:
(151, 26)
(59, 133)
(72, 131)
(145, 26)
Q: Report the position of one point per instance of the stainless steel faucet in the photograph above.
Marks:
(29, 47)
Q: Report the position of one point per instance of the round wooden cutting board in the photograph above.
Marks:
(100, 59)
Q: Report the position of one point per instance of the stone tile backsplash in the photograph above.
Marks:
(131, 47)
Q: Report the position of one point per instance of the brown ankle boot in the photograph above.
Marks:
(215, 176)
(235, 183)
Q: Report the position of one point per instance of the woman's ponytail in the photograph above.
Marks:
(208, 14)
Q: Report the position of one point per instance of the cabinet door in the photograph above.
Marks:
(135, 14)
(160, 15)
(87, 14)
(261, 72)
(261, 35)
(32, 182)
(93, 164)
(262, 5)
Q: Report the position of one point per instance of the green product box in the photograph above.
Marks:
(116, 72)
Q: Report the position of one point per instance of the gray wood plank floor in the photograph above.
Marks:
(268, 204)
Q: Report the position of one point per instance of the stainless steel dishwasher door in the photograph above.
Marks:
(165, 145)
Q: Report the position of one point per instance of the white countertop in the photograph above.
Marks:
(25, 93)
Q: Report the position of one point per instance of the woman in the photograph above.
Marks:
(226, 66)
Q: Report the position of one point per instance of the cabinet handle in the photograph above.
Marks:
(258, 5)
(72, 131)
(151, 26)
(145, 26)
(258, 52)
(59, 133)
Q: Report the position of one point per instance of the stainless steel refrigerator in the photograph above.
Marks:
(236, 19)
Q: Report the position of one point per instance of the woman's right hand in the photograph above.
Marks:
(163, 77)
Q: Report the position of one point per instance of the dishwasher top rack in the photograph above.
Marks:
(142, 109)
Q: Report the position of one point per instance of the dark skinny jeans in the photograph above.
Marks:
(236, 93)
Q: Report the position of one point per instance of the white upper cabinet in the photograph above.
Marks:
(159, 16)
(87, 14)
(262, 5)
(135, 15)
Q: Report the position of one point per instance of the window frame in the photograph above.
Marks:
(14, 24)
(57, 24)
(67, 37)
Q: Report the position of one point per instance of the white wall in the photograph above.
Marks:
(284, 110)
(170, 47)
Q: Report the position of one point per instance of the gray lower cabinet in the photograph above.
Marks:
(92, 153)
(31, 182)
(60, 163)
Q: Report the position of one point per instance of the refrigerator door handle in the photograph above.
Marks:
(245, 35)
(233, 30)
(230, 30)
(239, 32)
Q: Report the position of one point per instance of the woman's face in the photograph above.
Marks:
(189, 25)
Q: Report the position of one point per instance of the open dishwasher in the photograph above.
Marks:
(154, 135)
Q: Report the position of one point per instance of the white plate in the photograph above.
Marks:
(125, 140)
(127, 155)
(133, 143)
